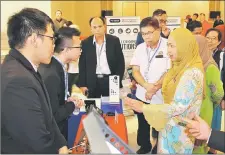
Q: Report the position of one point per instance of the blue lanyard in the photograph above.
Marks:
(148, 54)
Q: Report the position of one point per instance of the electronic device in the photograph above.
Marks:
(214, 14)
(130, 73)
(114, 89)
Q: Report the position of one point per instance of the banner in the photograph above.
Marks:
(126, 29)
(173, 23)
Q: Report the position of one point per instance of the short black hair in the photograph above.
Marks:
(194, 24)
(22, 24)
(196, 14)
(59, 11)
(216, 30)
(68, 23)
(63, 35)
(158, 12)
(102, 19)
(202, 14)
(149, 21)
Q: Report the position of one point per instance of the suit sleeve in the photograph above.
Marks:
(24, 119)
(217, 140)
(61, 111)
(82, 68)
(120, 60)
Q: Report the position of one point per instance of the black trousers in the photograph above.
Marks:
(72, 79)
(143, 133)
(101, 89)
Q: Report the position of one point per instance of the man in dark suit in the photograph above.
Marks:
(199, 129)
(55, 77)
(27, 124)
(101, 57)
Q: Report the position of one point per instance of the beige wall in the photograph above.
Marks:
(8, 8)
(222, 5)
(173, 8)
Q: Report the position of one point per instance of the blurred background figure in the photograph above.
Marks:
(59, 21)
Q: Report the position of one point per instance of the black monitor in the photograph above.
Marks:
(214, 14)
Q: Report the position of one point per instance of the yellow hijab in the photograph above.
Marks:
(187, 57)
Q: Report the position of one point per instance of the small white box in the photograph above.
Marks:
(114, 89)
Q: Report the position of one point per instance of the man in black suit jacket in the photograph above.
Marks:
(101, 56)
(199, 129)
(55, 77)
(27, 124)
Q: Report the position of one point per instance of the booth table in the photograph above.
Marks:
(119, 127)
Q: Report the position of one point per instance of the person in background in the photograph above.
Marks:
(214, 89)
(150, 62)
(195, 27)
(187, 20)
(194, 17)
(218, 21)
(183, 91)
(59, 21)
(205, 24)
(200, 129)
(72, 66)
(161, 16)
(27, 122)
(101, 57)
(214, 38)
(221, 28)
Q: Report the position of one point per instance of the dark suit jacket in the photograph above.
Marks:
(53, 77)
(216, 57)
(27, 124)
(88, 60)
(217, 140)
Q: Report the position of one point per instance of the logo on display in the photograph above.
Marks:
(111, 31)
(128, 30)
(114, 20)
(135, 30)
(120, 31)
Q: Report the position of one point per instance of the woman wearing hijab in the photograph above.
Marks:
(214, 91)
(183, 89)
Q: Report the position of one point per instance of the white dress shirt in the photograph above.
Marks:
(157, 68)
(102, 63)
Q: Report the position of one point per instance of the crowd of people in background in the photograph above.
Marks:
(181, 70)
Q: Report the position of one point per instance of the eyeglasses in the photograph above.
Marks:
(211, 39)
(52, 38)
(76, 47)
(148, 33)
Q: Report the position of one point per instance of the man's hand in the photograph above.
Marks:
(198, 128)
(150, 88)
(64, 150)
(148, 96)
(222, 104)
(77, 102)
(83, 89)
(134, 104)
(166, 31)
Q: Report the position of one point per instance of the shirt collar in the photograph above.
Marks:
(34, 66)
(94, 40)
(63, 65)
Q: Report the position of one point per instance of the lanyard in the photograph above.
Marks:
(99, 52)
(148, 54)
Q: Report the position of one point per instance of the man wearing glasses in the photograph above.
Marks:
(150, 62)
(67, 49)
(161, 16)
(27, 123)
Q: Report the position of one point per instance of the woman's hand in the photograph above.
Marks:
(134, 104)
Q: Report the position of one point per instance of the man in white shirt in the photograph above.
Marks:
(101, 57)
(150, 62)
